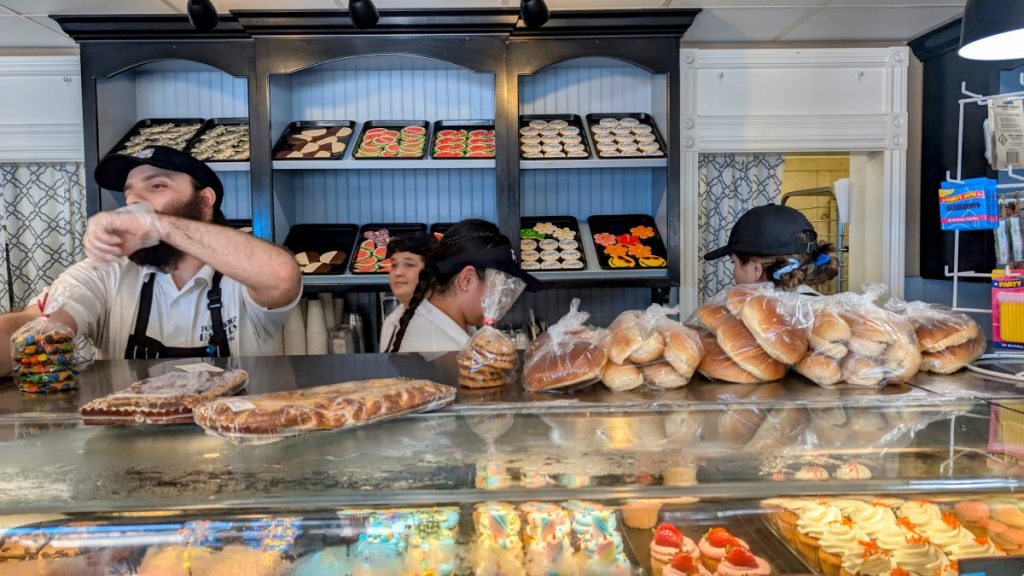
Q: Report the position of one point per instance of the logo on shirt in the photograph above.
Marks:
(144, 153)
(230, 330)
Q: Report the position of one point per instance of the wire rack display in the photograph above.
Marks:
(821, 207)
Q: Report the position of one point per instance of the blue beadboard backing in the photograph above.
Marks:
(361, 196)
(603, 304)
(582, 193)
(587, 85)
(397, 94)
(237, 203)
(193, 94)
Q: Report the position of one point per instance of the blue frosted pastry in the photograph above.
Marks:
(431, 546)
(331, 561)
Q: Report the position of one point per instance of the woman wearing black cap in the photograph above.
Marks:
(777, 244)
(448, 296)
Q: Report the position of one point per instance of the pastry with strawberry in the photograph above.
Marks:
(740, 561)
(685, 565)
(668, 542)
(714, 544)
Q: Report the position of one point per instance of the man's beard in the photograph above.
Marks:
(163, 256)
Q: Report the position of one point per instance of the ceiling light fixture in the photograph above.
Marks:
(534, 13)
(992, 30)
(203, 15)
(363, 13)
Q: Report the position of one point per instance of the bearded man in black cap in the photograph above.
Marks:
(164, 277)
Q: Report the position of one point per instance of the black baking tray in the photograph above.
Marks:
(298, 126)
(642, 117)
(572, 119)
(569, 222)
(322, 238)
(467, 125)
(393, 125)
(151, 121)
(394, 230)
(213, 123)
(620, 224)
(440, 228)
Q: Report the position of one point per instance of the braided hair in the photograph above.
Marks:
(792, 270)
(466, 236)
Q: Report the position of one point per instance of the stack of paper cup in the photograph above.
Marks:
(327, 299)
(316, 328)
(295, 333)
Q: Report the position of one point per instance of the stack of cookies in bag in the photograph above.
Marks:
(44, 361)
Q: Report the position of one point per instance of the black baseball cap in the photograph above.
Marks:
(112, 172)
(769, 230)
(501, 258)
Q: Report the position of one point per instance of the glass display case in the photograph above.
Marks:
(512, 482)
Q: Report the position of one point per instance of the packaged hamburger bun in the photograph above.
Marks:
(948, 340)
(883, 346)
(649, 348)
(489, 359)
(569, 356)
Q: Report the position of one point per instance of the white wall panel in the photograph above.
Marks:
(364, 196)
(445, 94)
(237, 203)
(190, 94)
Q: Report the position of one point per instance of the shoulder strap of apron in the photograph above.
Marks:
(145, 305)
(218, 345)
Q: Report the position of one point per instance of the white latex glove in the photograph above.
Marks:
(117, 234)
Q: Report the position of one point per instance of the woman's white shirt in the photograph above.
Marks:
(389, 327)
(431, 330)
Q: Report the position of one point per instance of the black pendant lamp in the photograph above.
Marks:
(203, 15)
(993, 30)
(363, 13)
(534, 13)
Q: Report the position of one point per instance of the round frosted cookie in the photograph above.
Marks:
(531, 148)
(569, 131)
(571, 255)
(620, 138)
(572, 265)
(530, 140)
(629, 122)
(607, 146)
(549, 131)
(530, 255)
(621, 131)
(575, 148)
(642, 129)
(552, 148)
(558, 124)
(648, 146)
(568, 245)
(580, 154)
(548, 244)
(528, 131)
(549, 255)
(632, 153)
(572, 139)
(598, 129)
(628, 146)
(657, 152)
(645, 137)
(531, 265)
(611, 153)
(528, 244)
(538, 124)
(609, 122)
(533, 155)
(551, 265)
(554, 154)
(604, 138)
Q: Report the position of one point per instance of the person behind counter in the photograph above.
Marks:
(165, 277)
(408, 254)
(777, 244)
(447, 299)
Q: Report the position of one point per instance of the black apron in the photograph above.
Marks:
(141, 346)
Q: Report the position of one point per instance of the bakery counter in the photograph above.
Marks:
(279, 373)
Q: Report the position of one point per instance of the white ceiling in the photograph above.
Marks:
(24, 23)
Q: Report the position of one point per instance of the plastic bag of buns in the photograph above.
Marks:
(569, 356)
(828, 339)
(752, 333)
(649, 348)
(948, 340)
(489, 359)
(881, 347)
(43, 350)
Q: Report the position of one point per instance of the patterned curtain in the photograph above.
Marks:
(729, 185)
(43, 209)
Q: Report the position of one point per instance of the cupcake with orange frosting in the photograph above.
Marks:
(920, 556)
(920, 512)
(839, 538)
(740, 561)
(685, 565)
(714, 545)
(866, 559)
(873, 519)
